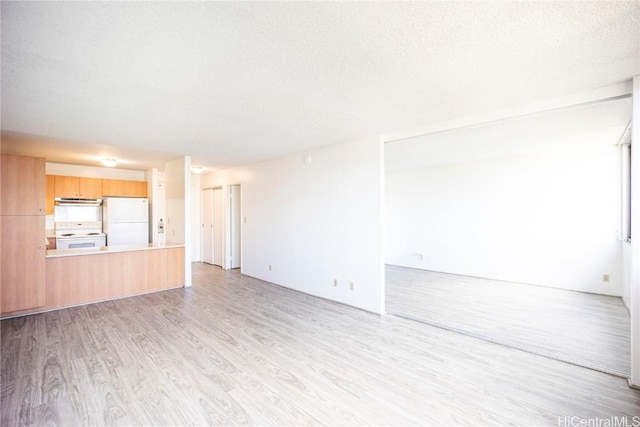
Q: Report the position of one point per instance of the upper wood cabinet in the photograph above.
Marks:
(137, 188)
(50, 195)
(93, 188)
(114, 187)
(124, 188)
(78, 187)
(23, 185)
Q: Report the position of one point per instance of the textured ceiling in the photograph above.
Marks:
(236, 82)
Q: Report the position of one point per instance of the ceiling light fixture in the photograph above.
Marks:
(109, 162)
(197, 169)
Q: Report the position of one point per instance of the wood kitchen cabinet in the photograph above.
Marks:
(137, 188)
(23, 244)
(23, 185)
(50, 204)
(22, 233)
(114, 187)
(78, 187)
(124, 188)
(73, 280)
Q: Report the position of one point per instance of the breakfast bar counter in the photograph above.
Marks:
(55, 253)
(88, 275)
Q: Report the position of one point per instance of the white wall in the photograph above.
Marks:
(315, 222)
(178, 207)
(196, 220)
(157, 201)
(634, 273)
(547, 219)
(151, 176)
(94, 172)
(627, 261)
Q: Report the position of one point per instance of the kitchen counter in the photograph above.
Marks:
(56, 253)
(87, 275)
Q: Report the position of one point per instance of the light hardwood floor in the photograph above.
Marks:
(588, 329)
(233, 350)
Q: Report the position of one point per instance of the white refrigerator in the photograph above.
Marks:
(125, 220)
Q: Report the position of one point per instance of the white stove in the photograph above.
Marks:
(86, 234)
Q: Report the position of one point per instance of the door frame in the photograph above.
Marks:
(204, 207)
(229, 227)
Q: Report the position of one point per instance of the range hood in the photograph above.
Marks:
(65, 201)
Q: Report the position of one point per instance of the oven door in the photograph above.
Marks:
(80, 242)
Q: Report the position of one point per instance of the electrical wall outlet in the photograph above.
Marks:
(605, 277)
(351, 286)
(335, 282)
(269, 267)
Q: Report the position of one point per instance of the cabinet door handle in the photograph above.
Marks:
(41, 247)
(41, 209)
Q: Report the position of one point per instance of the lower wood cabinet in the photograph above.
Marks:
(89, 278)
(22, 275)
(82, 279)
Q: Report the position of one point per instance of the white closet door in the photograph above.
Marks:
(207, 226)
(218, 209)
